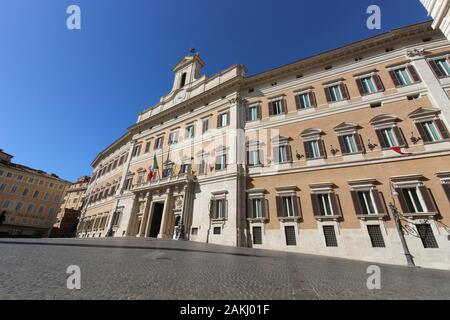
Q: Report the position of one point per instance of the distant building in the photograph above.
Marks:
(29, 197)
(69, 212)
(439, 10)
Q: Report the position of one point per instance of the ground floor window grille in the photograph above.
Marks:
(217, 230)
(257, 235)
(289, 232)
(376, 237)
(330, 236)
(427, 236)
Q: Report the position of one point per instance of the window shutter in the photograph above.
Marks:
(312, 98)
(283, 106)
(378, 83)
(446, 187)
(212, 209)
(322, 150)
(380, 138)
(356, 203)
(394, 78)
(297, 101)
(359, 142)
(360, 87)
(328, 94)
(421, 130)
(225, 213)
(270, 108)
(426, 195)
(258, 110)
(335, 204)
(218, 121)
(261, 157)
(399, 135)
(315, 204)
(413, 73)
(379, 203)
(228, 118)
(289, 153)
(247, 113)
(344, 90)
(342, 145)
(249, 159)
(435, 68)
(280, 212)
(307, 153)
(275, 154)
(401, 199)
(442, 128)
(296, 203)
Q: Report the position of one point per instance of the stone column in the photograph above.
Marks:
(143, 226)
(167, 208)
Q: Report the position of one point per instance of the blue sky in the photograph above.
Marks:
(66, 95)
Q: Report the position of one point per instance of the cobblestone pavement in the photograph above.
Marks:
(162, 269)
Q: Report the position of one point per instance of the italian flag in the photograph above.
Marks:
(153, 169)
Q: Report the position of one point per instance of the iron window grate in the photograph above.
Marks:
(217, 230)
(376, 237)
(330, 236)
(427, 236)
(289, 232)
(257, 235)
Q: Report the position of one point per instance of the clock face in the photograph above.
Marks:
(180, 96)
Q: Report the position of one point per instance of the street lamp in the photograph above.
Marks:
(409, 258)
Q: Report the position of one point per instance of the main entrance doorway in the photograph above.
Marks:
(156, 219)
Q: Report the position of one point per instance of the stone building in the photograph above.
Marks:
(68, 215)
(306, 157)
(30, 199)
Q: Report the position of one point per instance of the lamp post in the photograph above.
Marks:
(409, 258)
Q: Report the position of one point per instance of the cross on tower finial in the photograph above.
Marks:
(193, 51)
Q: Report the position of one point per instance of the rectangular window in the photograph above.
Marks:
(283, 154)
(190, 132)
(30, 208)
(257, 208)
(223, 120)
(18, 206)
(368, 85)
(350, 144)
(276, 107)
(217, 230)
(257, 235)
(202, 166)
(313, 149)
(330, 236)
(6, 204)
(185, 168)
(167, 171)
(159, 143)
(13, 189)
(376, 237)
(389, 137)
(304, 101)
(194, 231)
(366, 202)
(287, 205)
(325, 207)
(205, 125)
(336, 93)
(403, 77)
(41, 209)
(141, 176)
(221, 162)
(220, 209)
(254, 158)
(2, 187)
(173, 137)
(136, 151)
(443, 66)
(429, 131)
(253, 113)
(427, 236)
(289, 232)
(413, 200)
(148, 143)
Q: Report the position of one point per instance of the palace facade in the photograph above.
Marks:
(314, 156)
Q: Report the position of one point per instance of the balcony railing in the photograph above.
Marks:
(174, 179)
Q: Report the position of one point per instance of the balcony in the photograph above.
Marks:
(182, 178)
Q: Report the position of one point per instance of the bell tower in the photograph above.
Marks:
(187, 70)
